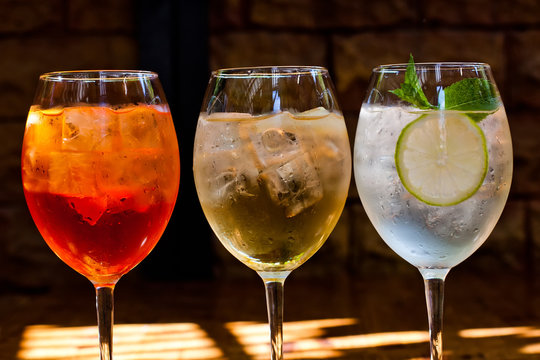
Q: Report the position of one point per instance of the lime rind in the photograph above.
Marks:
(461, 175)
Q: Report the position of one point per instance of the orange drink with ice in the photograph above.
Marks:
(101, 183)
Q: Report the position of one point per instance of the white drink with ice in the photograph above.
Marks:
(272, 186)
(456, 182)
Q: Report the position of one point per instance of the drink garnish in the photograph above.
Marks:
(411, 89)
(441, 157)
(470, 94)
(442, 173)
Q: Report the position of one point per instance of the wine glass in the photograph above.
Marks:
(100, 171)
(433, 166)
(272, 168)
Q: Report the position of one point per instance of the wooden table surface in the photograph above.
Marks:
(487, 316)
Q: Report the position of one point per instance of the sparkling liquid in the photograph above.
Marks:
(272, 187)
(101, 183)
(428, 237)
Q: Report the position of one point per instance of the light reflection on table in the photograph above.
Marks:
(310, 339)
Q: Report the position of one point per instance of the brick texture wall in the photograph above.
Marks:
(348, 37)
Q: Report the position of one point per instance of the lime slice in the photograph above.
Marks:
(441, 158)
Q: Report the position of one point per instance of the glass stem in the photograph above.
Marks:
(434, 288)
(105, 315)
(274, 304)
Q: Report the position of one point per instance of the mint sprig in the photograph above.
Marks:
(470, 94)
(411, 90)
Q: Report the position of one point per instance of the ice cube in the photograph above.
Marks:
(89, 208)
(44, 128)
(236, 174)
(130, 179)
(72, 173)
(219, 134)
(127, 169)
(251, 152)
(88, 128)
(274, 140)
(294, 185)
(232, 183)
(330, 149)
(141, 127)
(274, 146)
(286, 168)
(35, 167)
(223, 160)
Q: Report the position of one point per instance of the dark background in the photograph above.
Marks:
(184, 40)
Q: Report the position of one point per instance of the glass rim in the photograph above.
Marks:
(98, 75)
(446, 65)
(268, 71)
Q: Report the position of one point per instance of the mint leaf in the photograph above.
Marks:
(471, 94)
(411, 90)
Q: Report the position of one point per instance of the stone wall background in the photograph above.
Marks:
(347, 37)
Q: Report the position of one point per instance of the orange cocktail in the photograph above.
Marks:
(101, 183)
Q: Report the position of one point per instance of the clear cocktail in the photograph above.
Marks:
(433, 166)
